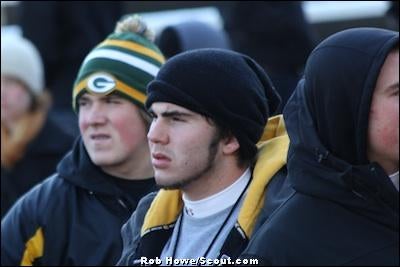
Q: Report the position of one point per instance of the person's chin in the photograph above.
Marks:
(170, 182)
(164, 181)
(102, 160)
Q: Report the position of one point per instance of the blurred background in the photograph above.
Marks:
(325, 16)
(278, 35)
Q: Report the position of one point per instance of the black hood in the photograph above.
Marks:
(77, 168)
(327, 122)
(340, 78)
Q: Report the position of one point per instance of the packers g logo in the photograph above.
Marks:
(101, 83)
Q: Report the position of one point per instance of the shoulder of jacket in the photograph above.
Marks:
(145, 202)
(45, 193)
(135, 222)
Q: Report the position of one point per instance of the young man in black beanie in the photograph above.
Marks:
(209, 109)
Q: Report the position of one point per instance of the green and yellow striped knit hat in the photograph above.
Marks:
(124, 63)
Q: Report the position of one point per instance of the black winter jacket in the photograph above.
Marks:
(72, 218)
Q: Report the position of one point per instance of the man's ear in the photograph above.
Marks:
(230, 145)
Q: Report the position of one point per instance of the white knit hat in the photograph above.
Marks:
(21, 60)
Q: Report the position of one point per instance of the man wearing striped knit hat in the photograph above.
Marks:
(75, 216)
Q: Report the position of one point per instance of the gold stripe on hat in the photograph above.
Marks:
(120, 86)
(136, 48)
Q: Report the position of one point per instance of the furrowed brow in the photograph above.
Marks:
(172, 113)
(175, 113)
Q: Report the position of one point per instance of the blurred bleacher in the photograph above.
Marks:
(326, 17)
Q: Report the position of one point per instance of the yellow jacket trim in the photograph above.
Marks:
(272, 155)
(273, 148)
(33, 248)
(134, 47)
(163, 211)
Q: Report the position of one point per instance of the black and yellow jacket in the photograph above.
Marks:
(72, 218)
(150, 227)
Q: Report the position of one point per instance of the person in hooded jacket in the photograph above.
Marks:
(343, 159)
(75, 216)
(29, 136)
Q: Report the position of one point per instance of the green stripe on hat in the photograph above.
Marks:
(151, 59)
(133, 47)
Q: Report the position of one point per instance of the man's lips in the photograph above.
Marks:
(160, 161)
(99, 137)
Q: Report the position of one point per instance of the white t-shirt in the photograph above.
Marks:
(202, 220)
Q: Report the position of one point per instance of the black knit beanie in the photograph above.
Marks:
(229, 87)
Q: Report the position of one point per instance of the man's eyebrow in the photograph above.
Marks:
(84, 97)
(172, 113)
(393, 87)
(175, 113)
(112, 95)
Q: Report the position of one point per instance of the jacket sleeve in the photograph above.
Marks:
(130, 231)
(22, 236)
